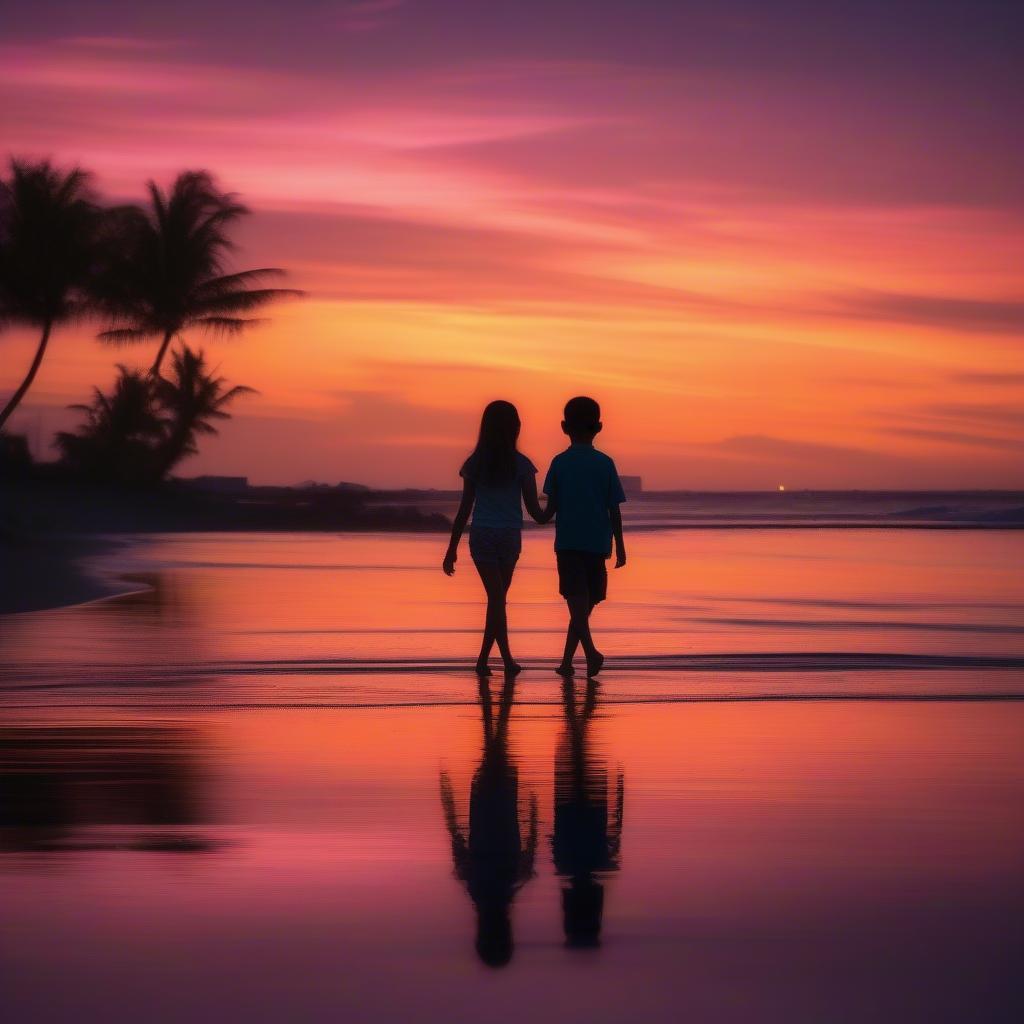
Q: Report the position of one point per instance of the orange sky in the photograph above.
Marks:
(767, 265)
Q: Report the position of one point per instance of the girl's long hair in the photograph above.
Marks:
(495, 453)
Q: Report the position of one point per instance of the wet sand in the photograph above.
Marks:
(51, 571)
(840, 862)
(267, 787)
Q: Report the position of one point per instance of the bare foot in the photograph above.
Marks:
(594, 666)
(482, 668)
(565, 670)
(513, 668)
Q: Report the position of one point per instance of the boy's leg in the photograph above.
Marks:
(572, 641)
(596, 574)
(574, 586)
(580, 607)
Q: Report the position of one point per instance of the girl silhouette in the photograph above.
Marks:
(497, 480)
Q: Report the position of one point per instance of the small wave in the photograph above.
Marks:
(745, 662)
(160, 673)
(901, 605)
(884, 624)
(607, 700)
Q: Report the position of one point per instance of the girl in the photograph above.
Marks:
(496, 481)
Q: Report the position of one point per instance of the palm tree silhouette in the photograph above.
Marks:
(49, 220)
(116, 440)
(166, 272)
(191, 398)
(146, 425)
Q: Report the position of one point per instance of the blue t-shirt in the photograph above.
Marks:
(585, 485)
(498, 505)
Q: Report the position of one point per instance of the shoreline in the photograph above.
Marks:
(45, 572)
(49, 571)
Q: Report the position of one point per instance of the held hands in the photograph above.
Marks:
(449, 563)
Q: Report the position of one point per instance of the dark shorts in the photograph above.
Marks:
(582, 572)
(494, 545)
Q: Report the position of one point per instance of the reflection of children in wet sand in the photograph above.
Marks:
(587, 827)
(492, 860)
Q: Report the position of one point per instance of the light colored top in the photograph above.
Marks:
(585, 485)
(498, 505)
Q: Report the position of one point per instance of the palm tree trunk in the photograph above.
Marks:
(172, 451)
(31, 376)
(155, 368)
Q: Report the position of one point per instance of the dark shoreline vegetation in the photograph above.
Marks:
(51, 526)
(141, 272)
(61, 507)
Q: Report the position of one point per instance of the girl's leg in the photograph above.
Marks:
(507, 571)
(487, 641)
(496, 622)
(485, 649)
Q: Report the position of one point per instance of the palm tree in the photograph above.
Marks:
(191, 399)
(48, 224)
(121, 432)
(166, 268)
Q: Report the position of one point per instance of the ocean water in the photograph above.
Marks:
(773, 509)
(265, 785)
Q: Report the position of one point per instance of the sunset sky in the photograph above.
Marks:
(781, 242)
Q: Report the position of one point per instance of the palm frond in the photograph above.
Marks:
(226, 325)
(119, 336)
(237, 391)
(233, 282)
(166, 273)
(241, 301)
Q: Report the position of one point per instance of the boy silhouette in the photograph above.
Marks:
(585, 493)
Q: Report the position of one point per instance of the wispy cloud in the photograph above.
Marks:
(960, 438)
(947, 312)
(988, 378)
(788, 448)
(365, 15)
(997, 413)
(119, 43)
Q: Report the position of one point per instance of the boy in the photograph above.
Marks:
(584, 491)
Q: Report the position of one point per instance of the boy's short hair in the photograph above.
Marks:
(582, 413)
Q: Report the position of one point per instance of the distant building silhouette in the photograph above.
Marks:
(219, 484)
(632, 485)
